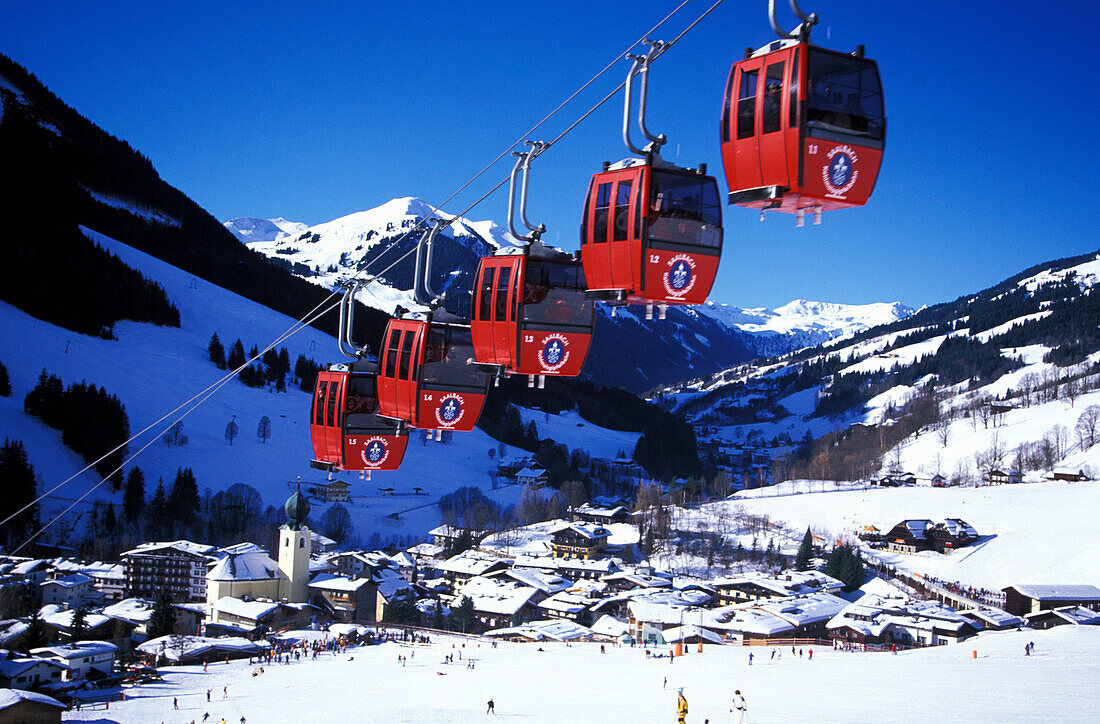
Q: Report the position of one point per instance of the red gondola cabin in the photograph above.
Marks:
(427, 377)
(651, 233)
(803, 129)
(347, 433)
(530, 315)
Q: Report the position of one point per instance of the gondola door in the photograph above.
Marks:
(742, 153)
(325, 427)
(505, 322)
(625, 242)
(596, 252)
(773, 146)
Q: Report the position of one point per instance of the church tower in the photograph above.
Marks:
(294, 549)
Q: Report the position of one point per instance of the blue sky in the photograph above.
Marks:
(315, 110)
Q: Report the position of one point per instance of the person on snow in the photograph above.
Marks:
(492, 708)
(681, 707)
(739, 705)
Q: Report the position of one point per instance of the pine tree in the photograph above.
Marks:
(216, 351)
(158, 512)
(464, 614)
(18, 490)
(162, 620)
(133, 500)
(803, 559)
(183, 500)
(236, 356)
(79, 625)
(231, 431)
(5, 381)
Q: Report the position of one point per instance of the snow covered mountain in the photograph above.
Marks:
(691, 342)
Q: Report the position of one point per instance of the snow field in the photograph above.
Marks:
(577, 684)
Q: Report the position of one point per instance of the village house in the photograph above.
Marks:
(108, 579)
(1022, 600)
(1063, 615)
(83, 659)
(498, 603)
(345, 600)
(588, 513)
(467, 565)
(952, 534)
(1000, 477)
(70, 591)
(447, 536)
(572, 568)
(1072, 476)
(536, 477)
(31, 672)
(878, 621)
(251, 616)
(331, 491)
(909, 536)
(755, 586)
(28, 707)
(988, 618)
(578, 540)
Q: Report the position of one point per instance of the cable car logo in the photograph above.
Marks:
(450, 410)
(554, 353)
(679, 277)
(840, 173)
(375, 452)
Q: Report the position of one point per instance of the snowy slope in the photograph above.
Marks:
(553, 683)
(251, 230)
(1033, 533)
(155, 369)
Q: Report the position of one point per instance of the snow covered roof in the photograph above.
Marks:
(64, 619)
(1059, 592)
(957, 527)
(77, 650)
(608, 625)
(994, 617)
(135, 610)
(249, 610)
(184, 546)
(25, 567)
(252, 565)
(11, 629)
(744, 620)
(917, 527)
(329, 582)
(390, 584)
(554, 629)
(11, 697)
(804, 610)
(566, 602)
(1079, 615)
(548, 583)
(115, 571)
(426, 550)
(640, 580)
(72, 580)
(471, 563)
(178, 648)
(492, 595)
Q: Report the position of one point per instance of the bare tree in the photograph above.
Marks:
(1088, 425)
(943, 432)
(232, 430)
(263, 430)
(1071, 390)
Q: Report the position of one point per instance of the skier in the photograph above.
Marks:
(492, 708)
(750, 658)
(811, 658)
(208, 694)
(175, 703)
(739, 705)
(681, 707)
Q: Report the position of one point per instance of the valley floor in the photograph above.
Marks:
(577, 684)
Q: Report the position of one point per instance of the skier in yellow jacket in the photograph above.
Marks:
(681, 708)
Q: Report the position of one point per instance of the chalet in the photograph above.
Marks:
(31, 570)
(629, 581)
(320, 543)
(952, 534)
(988, 618)
(28, 707)
(447, 536)
(58, 627)
(83, 659)
(871, 535)
(536, 477)
(391, 587)
(108, 579)
(332, 491)
(469, 564)
(498, 602)
(808, 615)
(1063, 615)
(509, 468)
(574, 605)
(601, 516)
(755, 587)
(939, 481)
(554, 630)
(1000, 477)
(254, 615)
(577, 540)
(1067, 475)
(886, 620)
(1022, 600)
(572, 568)
(70, 591)
(909, 536)
(31, 672)
(346, 600)
(198, 649)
